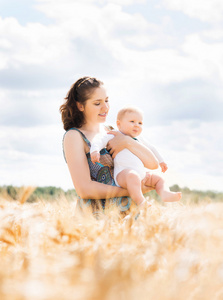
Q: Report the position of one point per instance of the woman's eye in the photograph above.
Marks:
(97, 104)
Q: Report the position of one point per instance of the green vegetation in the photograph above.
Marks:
(191, 196)
(51, 193)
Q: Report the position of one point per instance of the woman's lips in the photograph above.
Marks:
(103, 115)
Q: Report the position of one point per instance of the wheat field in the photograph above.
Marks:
(169, 252)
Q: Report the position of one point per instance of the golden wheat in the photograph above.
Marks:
(170, 252)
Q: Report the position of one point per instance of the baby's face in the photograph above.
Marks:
(131, 124)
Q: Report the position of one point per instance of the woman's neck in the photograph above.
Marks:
(91, 128)
(91, 131)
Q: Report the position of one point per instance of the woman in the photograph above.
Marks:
(85, 109)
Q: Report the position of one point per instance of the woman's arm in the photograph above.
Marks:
(121, 141)
(80, 173)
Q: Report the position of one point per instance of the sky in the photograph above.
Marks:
(164, 56)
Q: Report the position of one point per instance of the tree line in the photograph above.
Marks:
(46, 193)
(51, 193)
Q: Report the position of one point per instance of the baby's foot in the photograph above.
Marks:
(144, 205)
(169, 196)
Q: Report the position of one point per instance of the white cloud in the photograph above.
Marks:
(31, 44)
(33, 156)
(121, 40)
(123, 2)
(193, 152)
(97, 2)
(213, 34)
(30, 108)
(208, 56)
(90, 40)
(204, 10)
(5, 44)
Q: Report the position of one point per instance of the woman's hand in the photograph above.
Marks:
(121, 141)
(95, 157)
(118, 143)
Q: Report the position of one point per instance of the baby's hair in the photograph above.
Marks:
(128, 109)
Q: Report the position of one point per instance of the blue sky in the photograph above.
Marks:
(165, 56)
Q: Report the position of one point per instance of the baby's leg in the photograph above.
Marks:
(162, 189)
(130, 180)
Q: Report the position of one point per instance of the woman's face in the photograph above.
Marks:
(96, 107)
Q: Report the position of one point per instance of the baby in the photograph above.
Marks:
(129, 170)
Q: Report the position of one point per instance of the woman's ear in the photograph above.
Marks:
(80, 106)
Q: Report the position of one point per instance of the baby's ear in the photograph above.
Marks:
(118, 123)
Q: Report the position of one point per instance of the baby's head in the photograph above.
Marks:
(129, 121)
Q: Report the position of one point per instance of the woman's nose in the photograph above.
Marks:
(106, 105)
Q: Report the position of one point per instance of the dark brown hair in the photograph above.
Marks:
(80, 92)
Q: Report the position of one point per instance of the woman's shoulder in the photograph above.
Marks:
(72, 134)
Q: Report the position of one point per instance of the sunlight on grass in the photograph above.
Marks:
(171, 251)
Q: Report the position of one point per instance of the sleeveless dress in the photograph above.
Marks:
(101, 172)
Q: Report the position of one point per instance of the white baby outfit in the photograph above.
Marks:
(125, 159)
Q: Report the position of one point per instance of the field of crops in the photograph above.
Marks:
(171, 252)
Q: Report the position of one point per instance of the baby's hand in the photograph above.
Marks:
(95, 157)
(163, 167)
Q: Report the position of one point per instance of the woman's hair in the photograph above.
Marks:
(80, 92)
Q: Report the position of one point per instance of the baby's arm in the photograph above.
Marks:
(99, 142)
(162, 164)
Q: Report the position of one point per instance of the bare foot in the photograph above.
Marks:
(169, 196)
(143, 205)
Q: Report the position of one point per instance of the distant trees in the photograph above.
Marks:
(46, 193)
(191, 196)
(12, 191)
(51, 193)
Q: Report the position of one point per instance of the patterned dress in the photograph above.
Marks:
(102, 172)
